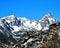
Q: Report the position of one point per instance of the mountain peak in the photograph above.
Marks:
(11, 16)
(48, 15)
(26, 24)
(49, 19)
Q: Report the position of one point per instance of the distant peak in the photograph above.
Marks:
(12, 16)
(24, 18)
(22, 23)
(48, 19)
(49, 15)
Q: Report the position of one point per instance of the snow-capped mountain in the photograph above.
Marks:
(25, 33)
(13, 24)
(47, 20)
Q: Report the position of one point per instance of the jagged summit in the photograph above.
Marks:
(49, 14)
(49, 19)
(16, 24)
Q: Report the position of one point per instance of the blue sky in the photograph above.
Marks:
(31, 9)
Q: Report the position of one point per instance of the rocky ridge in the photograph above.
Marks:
(28, 37)
(37, 39)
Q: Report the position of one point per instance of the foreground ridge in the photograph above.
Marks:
(38, 39)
